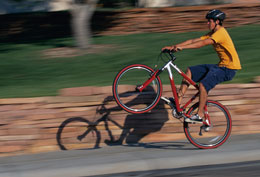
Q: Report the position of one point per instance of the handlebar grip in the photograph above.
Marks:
(167, 51)
(170, 52)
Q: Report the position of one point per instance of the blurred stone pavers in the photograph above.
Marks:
(179, 19)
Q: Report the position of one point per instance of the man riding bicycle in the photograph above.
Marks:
(209, 75)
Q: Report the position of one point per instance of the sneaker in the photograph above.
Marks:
(170, 101)
(207, 128)
(172, 104)
(194, 119)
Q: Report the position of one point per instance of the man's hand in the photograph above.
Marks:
(177, 48)
(174, 48)
(170, 48)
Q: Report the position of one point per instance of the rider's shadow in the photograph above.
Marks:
(138, 126)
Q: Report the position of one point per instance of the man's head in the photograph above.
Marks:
(215, 17)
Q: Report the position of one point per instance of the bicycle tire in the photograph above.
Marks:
(126, 94)
(77, 133)
(220, 130)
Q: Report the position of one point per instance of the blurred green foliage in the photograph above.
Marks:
(26, 72)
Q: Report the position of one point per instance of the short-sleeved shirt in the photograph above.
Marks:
(225, 49)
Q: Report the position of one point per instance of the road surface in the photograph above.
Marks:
(239, 153)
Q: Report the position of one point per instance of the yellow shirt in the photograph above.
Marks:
(225, 49)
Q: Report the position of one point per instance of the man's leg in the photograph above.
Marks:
(184, 85)
(201, 73)
(202, 100)
(211, 81)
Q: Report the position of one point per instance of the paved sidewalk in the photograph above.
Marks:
(120, 159)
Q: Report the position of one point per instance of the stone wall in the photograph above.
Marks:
(170, 3)
(33, 125)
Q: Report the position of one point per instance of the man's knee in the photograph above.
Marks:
(188, 72)
(202, 88)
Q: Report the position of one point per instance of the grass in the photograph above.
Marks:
(26, 73)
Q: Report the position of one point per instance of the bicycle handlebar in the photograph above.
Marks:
(167, 51)
(170, 52)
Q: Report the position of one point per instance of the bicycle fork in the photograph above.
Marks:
(153, 76)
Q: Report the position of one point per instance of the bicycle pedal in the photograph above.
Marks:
(207, 128)
(166, 100)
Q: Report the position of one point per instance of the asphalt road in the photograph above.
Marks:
(242, 169)
(240, 155)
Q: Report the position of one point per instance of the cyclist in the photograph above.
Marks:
(209, 75)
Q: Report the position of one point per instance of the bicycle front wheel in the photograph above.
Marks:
(125, 89)
(209, 137)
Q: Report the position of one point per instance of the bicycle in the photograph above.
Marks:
(141, 83)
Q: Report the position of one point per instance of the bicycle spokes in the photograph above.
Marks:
(134, 91)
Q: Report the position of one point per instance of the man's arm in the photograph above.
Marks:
(190, 44)
(195, 44)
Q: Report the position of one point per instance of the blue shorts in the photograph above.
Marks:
(211, 74)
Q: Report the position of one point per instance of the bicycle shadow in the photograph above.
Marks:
(135, 127)
(179, 145)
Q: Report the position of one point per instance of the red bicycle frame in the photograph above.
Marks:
(179, 109)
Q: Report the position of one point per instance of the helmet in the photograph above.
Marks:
(216, 15)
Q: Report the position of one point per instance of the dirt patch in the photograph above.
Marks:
(67, 52)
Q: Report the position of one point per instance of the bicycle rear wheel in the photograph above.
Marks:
(77, 133)
(213, 136)
(126, 94)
